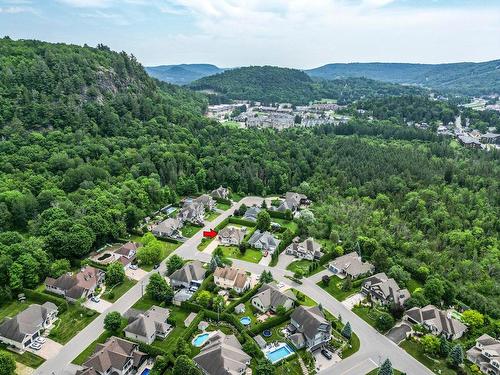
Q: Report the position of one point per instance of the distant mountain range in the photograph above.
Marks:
(184, 73)
(461, 78)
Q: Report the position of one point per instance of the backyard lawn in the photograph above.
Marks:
(223, 206)
(302, 265)
(251, 255)
(307, 301)
(70, 322)
(189, 230)
(118, 290)
(179, 316)
(292, 225)
(335, 288)
(291, 367)
(13, 308)
(168, 248)
(413, 284)
(436, 365)
(27, 358)
(367, 314)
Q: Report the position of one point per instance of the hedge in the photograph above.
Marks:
(162, 363)
(191, 306)
(222, 200)
(328, 256)
(222, 224)
(203, 286)
(35, 296)
(167, 239)
(244, 298)
(193, 326)
(270, 323)
(96, 265)
(236, 220)
(287, 215)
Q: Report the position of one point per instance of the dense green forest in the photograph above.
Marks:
(182, 74)
(270, 84)
(96, 145)
(459, 78)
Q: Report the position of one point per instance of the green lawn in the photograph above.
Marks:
(13, 308)
(168, 248)
(179, 316)
(223, 206)
(236, 197)
(307, 301)
(251, 255)
(27, 358)
(144, 303)
(87, 352)
(70, 322)
(189, 230)
(353, 348)
(302, 265)
(291, 367)
(375, 372)
(204, 243)
(335, 288)
(212, 215)
(413, 285)
(367, 314)
(436, 365)
(292, 225)
(118, 290)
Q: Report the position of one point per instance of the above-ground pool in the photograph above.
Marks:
(277, 355)
(200, 339)
(267, 333)
(245, 320)
(145, 372)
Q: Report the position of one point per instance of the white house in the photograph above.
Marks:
(149, 326)
(269, 298)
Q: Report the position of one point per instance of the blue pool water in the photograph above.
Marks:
(200, 339)
(145, 372)
(278, 354)
(245, 321)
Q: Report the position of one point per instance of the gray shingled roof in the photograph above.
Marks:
(153, 320)
(191, 271)
(437, 318)
(266, 239)
(310, 320)
(270, 295)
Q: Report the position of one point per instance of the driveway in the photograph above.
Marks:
(211, 246)
(23, 369)
(353, 300)
(49, 350)
(322, 363)
(284, 260)
(137, 274)
(100, 306)
(265, 260)
(398, 333)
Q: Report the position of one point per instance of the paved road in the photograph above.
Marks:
(374, 349)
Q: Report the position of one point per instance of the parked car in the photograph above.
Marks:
(41, 340)
(96, 299)
(326, 354)
(156, 266)
(133, 267)
(35, 345)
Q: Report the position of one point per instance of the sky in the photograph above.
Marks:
(292, 33)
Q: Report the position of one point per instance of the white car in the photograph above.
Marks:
(36, 346)
(96, 299)
(133, 267)
(41, 340)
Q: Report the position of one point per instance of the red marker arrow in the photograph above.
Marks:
(211, 233)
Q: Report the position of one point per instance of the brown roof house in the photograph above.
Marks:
(486, 354)
(220, 192)
(22, 329)
(308, 249)
(231, 278)
(76, 286)
(437, 321)
(350, 265)
(384, 290)
(222, 355)
(309, 328)
(126, 254)
(148, 326)
(115, 356)
(269, 298)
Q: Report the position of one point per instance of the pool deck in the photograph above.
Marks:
(271, 349)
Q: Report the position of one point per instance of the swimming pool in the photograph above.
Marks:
(200, 339)
(145, 372)
(277, 355)
(245, 320)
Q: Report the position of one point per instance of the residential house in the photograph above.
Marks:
(230, 235)
(126, 254)
(116, 356)
(220, 192)
(308, 249)
(149, 326)
(251, 213)
(190, 275)
(468, 141)
(384, 290)
(231, 278)
(207, 201)
(169, 228)
(222, 355)
(486, 354)
(76, 286)
(350, 265)
(437, 321)
(490, 138)
(264, 241)
(22, 329)
(269, 298)
(192, 212)
(292, 202)
(309, 328)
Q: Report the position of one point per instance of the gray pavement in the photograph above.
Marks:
(375, 348)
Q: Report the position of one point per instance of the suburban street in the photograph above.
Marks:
(375, 347)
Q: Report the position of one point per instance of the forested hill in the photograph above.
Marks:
(273, 84)
(182, 74)
(462, 78)
(89, 146)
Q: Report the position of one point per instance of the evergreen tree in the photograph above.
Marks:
(347, 331)
(386, 368)
(456, 356)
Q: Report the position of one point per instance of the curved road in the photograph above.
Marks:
(374, 349)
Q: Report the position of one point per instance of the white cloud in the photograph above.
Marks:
(87, 3)
(16, 10)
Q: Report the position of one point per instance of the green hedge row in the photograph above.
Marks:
(193, 327)
(287, 215)
(270, 323)
(41, 298)
(223, 201)
(167, 239)
(94, 264)
(244, 298)
(222, 224)
(236, 220)
(327, 257)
